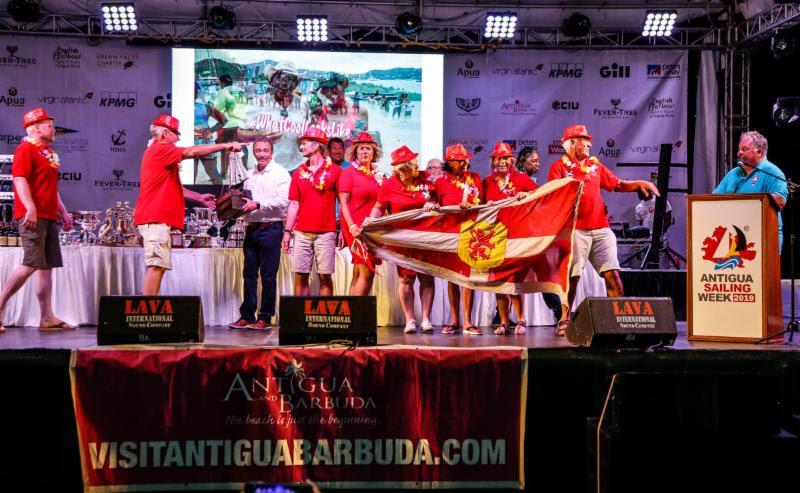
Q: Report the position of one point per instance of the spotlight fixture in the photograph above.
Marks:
(659, 23)
(118, 17)
(24, 10)
(576, 25)
(782, 45)
(408, 23)
(221, 17)
(786, 111)
(312, 28)
(500, 25)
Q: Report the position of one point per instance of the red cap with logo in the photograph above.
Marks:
(316, 134)
(456, 152)
(168, 121)
(501, 149)
(34, 116)
(402, 155)
(574, 132)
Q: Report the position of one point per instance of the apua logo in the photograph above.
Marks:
(610, 150)
(728, 255)
(12, 99)
(468, 71)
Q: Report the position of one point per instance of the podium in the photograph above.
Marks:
(734, 277)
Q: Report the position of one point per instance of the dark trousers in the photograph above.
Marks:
(262, 253)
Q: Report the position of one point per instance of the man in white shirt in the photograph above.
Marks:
(269, 184)
(646, 209)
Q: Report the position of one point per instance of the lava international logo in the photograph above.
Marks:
(468, 104)
(734, 254)
(482, 245)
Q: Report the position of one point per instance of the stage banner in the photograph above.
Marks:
(102, 98)
(631, 102)
(393, 417)
(511, 246)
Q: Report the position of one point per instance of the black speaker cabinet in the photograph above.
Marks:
(149, 319)
(321, 319)
(623, 322)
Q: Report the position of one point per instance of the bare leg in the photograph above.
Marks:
(573, 285)
(152, 280)
(325, 284)
(426, 293)
(519, 306)
(301, 286)
(454, 297)
(502, 308)
(613, 283)
(15, 280)
(405, 291)
(361, 284)
(467, 304)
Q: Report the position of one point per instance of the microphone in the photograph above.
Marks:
(739, 162)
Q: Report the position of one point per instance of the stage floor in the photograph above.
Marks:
(536, 338)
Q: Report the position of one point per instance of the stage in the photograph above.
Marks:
(566, 390)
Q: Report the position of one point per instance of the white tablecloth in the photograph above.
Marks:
(215, 275)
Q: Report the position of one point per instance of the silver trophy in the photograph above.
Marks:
(204, 221)
(88, 221)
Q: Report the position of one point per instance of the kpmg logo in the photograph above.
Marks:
(517, 108)
(468, 71)
(661, 108)
(566, 70)
(664, 71)
(615, 111)
(468, 105)
(531, 71)
(118, 141)
(610, 150)
(162, 101)
(117, 59)
(117, 99)
(566, 105)
(12, 99)
(12, 60)
(615, 71)
(66, 58)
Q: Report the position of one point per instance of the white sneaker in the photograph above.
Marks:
(427, 326)
(411, 327)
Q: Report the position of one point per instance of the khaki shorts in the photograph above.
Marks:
(157, 245)
(599, 246)
(317, 247)
(40, 247)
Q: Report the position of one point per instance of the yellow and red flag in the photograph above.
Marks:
(512, 246)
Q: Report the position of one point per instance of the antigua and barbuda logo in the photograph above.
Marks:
(730, 254)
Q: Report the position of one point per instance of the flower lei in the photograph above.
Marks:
(371, 171)
(305, 174)
(584, 169)
(472, 192)
(420, 187)
(506, 186)
(46, 152)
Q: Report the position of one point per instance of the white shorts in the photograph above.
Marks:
(157, 245)
(597, 245)
(317, 247)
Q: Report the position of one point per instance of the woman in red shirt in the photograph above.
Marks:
(406, 190)
(460, 187)
(358, 189)
(503, 183)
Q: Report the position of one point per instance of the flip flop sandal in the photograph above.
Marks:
(561, 331)
(520, 328)
(451, 329)
(473, 331)
(500, 329)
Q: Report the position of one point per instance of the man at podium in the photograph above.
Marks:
(756, 174)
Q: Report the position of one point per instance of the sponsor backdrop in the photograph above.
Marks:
(200, 419)
(103, 99)
(631, 102)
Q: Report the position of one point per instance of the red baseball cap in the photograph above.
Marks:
(316, 134)
(456, 152)
(402, 155)
(501, 149)
(34, 116)
(168, 121)
(575, 131)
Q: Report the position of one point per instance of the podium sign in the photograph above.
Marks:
(733, 283)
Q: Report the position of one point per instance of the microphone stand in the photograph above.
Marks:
(793, 325)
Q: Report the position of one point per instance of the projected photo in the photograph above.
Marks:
(244, 95)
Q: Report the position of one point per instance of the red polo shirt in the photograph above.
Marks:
(399, 199)
(450, 189)
(317, 213)
(517, 182)
(363, 192)
(591, 209)
(160, 189)
(31, 162)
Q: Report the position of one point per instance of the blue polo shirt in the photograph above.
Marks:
(736, 181)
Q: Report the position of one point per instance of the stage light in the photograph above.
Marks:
(118, 17)
(576, 25)
(500, 25)
(786, 111)
(24, 10)
(659, 23)
(782, 45)
(221, 17)
(312, 28)
(408, 23)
